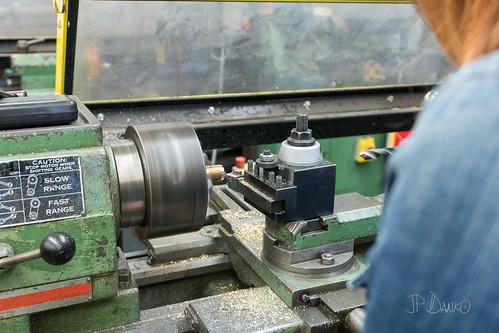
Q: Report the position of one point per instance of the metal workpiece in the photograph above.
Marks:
(176, 183)
(131, 183)
(216, 172)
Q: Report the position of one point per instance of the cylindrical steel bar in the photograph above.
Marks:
(19, 258)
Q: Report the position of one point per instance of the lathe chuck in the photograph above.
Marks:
(167, 159)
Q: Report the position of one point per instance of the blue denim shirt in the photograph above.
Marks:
(435, 264)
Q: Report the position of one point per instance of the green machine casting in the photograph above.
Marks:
(66, 191)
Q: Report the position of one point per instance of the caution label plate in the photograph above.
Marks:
(40, 190)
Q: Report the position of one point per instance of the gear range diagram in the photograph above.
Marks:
(40, 190)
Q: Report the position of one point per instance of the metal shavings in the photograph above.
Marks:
(242, 215)
(225, 289)
(251, 235)
(203, 256)
(254, 310)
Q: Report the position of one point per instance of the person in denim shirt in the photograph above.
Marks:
(435, 264)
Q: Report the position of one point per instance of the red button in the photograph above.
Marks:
(240, 161)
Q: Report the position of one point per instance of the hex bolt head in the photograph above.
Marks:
(238, 172)
(267, 156)
(301, 136)
(327, 258)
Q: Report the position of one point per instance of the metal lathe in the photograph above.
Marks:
(121, 209)
(66, 191)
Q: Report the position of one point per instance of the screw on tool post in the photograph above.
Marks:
(302, 122)
(301, 135)
(57, 248)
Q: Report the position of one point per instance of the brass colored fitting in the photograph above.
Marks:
(216, 172)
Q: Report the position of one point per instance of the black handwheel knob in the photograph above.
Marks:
(57, 248)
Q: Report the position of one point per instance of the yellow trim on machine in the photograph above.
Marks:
(259, 93)
(302, 1)
(60, 7)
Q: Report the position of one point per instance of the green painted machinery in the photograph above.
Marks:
(254, 256)
(94, 267)
(65, 178)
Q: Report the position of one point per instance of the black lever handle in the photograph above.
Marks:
(57, 248)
